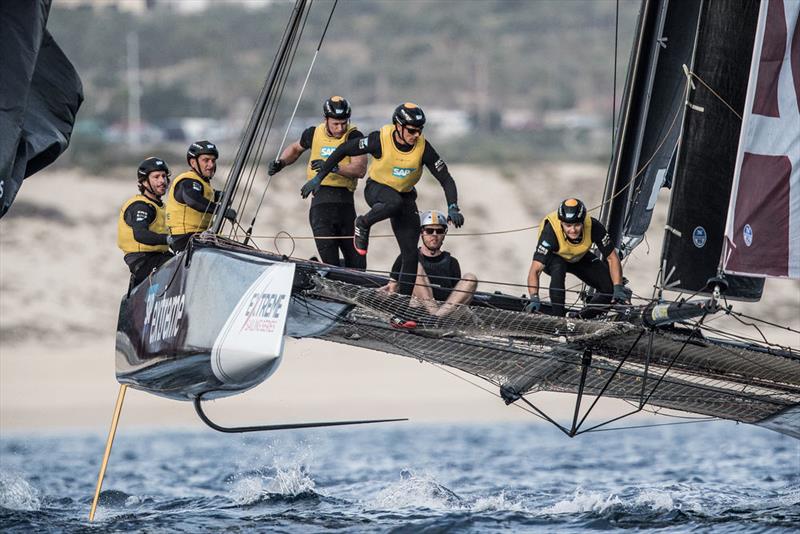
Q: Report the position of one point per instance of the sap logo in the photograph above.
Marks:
(699, 237)
(400, 172)
(542, 249)
(140, 215)
(748, 235)
(606, 240)
(165, 318)
(363, 142)
(326, 151)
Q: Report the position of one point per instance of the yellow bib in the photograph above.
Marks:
(183, 219)
(125, 239)
(572, 252)
(323, 146)
(399, 170)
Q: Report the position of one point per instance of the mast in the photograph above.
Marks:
(258, 117)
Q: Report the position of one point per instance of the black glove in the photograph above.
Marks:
(311, 186)
(230, 214)
(316, 165)
(534, 305)
(620, 294)
(454, 215)
(275, 166)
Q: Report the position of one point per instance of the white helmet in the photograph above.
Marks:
(432, 217)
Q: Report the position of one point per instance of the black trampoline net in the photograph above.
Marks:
(676, 368)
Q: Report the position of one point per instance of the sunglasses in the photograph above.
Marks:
(413, 131)
(436, 231)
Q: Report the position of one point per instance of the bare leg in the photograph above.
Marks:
(423, 292)
(462, 294)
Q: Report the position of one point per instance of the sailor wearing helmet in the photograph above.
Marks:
(439, 276)
(141, 227)
(332, 207)
(191, 200)
(399, 151)
(565, 237)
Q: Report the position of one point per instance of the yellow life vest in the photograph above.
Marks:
(572, 252)
(395, 168)
(125, 239)
(322, 147)
(183, 219)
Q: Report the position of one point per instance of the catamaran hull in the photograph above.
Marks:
(184, 332)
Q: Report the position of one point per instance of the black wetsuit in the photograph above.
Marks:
(388, 203)
(590, 269)
(139, 216)
(333, 213)
(443, 271)
(190, 192)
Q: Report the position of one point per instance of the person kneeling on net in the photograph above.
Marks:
(439, 275)
(141, 228)
(565, 237)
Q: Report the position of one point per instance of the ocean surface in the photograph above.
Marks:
(405, 477)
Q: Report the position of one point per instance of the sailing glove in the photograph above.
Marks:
(534, 305)
(316, 164)
(230, 214)
(170, 241)
(275, 166)
(311, 186)
(454, 215)
(620, 294)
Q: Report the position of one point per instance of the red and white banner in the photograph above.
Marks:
(763, 227)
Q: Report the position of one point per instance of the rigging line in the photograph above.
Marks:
(263, 147)
(695, 75)
(266, 127)
(614, 97)
(768, 323)
(652, 425)
(305, 82)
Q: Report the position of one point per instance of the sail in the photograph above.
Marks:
(707, 151)
(763, 227)
(652, 107)
(39, 97)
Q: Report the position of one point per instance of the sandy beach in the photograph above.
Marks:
(61, 278)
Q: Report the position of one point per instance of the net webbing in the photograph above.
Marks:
(535, 352)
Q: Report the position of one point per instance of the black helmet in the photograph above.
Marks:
(336, 107)
(409, 114)
(572, 210)
(149, 165)
(198, 148)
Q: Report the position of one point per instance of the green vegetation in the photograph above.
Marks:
(482, 57)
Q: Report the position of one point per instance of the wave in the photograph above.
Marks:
(16, 493)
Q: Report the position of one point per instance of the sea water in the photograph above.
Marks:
(405, 477)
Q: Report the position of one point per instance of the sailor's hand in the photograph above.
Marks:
(454, 215)
(170, 241)
(620, 295)
(316, 165)
(275, 166)
(311, 186)
(230, 214)
(534, 305)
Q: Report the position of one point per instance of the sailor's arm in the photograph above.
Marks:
(614, 268)
(190, 192)
(139, 216)
(533, 277)
(357, 167)
(438, 167)
(291, 153)
(353, 147)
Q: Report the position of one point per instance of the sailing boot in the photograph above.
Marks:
(361, 236)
